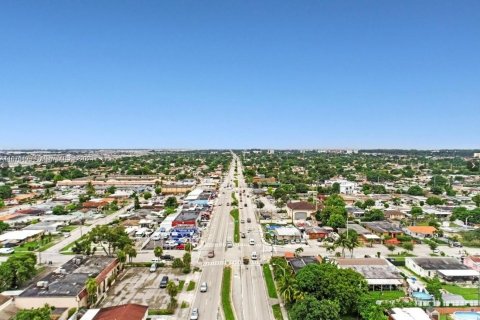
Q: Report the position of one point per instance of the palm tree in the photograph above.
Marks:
(298, 251)
(131, 252)
(342, 241)
(91, 286)
(352, 243)
(287, 288)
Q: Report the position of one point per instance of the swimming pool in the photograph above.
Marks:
(421, 296)
(463, 315)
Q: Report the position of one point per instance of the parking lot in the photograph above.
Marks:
(139, 285)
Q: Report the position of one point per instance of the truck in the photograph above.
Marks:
(246, 260)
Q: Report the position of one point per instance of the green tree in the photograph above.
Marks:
(476, 199)
(177, 263)
(59, 210)
(434, 201)
(298, 251)
(3, 227)
(310, 308)
(121, 256)
(171, 202)
(374, 215)
(130, 252)
(434, 287)
(17, 270)
(111, 190)
(5, 192)
(90, 189)
(92, 287)
(433, 245)
(43, 313)
(158, 190)
(326, 282)
(158, 251)
(2, 203)
(136, 203)
(369, 203)
(147, 195)
(415, 191)
(336, 221)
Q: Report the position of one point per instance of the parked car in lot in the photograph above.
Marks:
(167, 257)
(158, 260)
(164, 282)
(203, 287)
(153, 267)
(194, 315)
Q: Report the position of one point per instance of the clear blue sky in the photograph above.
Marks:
(231, 73)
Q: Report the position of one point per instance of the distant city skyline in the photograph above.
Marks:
(235, 75)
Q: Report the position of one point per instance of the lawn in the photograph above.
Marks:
(467, 293)
(226, 287)
(277, 312)
(387, 295)
(68, 228)
(267, 273)
(191, 286)
(236, 225)
(181, 284)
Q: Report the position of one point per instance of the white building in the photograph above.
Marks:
(346, 187)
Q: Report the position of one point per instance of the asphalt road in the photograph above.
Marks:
(208, 302)
(249, 291)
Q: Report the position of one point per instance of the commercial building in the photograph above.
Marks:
(128, 311)
(65, 287)
(300, 211)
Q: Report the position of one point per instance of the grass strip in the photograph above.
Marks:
(226, 287)
(267, 274)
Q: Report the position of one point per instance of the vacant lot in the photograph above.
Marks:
(139, 285)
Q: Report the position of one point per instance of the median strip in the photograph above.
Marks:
(226, 299)
(236, 225)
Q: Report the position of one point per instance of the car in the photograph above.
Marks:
(243, 235)
(167, 257)
(153, 267)
(297, 241)
(254, 255)
(194, 314)
(292, 241)
(229, 244)
(164, 282)
(303, 241)
(252, 242)
(211, 254)
(203, 287)
(6, 250)
(245, 205)
(181, 246)
(242, 221)
(436, 251)
(158, 260)
(246, 260)
(249, 220)
(66, 234)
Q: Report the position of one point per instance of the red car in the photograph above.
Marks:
(181, 246)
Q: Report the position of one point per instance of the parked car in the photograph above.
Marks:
(6, 250)
(194, 315)
(158, 260)
(153, 267)
(167, 257)
(164, 282)
(203, 287)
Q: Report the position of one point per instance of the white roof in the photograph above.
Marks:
(90, 314)
(408, 314)
(459, 273)
(370, 236)
(19, 235)
(284, 231)
(193, 195)
(394, 282)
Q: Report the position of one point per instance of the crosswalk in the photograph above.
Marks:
(229, 262)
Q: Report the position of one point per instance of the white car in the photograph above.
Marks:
(6, 250)
(252, 242)
(203, 287)
(194, 315)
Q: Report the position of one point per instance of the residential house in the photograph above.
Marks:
(421, 231)
(448, 269)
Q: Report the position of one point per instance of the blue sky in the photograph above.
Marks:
(238, 74)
